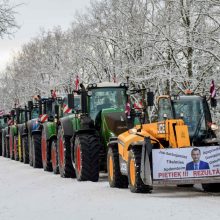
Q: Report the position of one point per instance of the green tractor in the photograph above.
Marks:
(59, 108)
(83, 136)
(23, 115)
(3, 125)
(16, 130)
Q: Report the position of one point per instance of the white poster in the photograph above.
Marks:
(193, 162)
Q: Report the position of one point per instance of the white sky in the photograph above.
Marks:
(35, 14)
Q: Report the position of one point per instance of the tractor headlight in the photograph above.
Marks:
(89, 93)
(122, 84)
(90, 85)
(94, 85)
(132, 131)
(214, 127)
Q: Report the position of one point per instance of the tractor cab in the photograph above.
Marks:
(103, 96)
(193, 110)
(3, 121)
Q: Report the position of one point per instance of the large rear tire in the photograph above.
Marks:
(25, 149)
(30, 150)
(15, 142)
(3, 144)
(11, 146)
(211, 187)
(86, 157)
(36, 145)
(115, 178)
(7, 147)
(45, 151)
(64, 155)
(20, 151)
(136, 184)
(54, 157)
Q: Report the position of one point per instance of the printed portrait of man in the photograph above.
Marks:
(197, 164)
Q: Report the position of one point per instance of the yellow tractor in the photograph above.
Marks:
(180, 148)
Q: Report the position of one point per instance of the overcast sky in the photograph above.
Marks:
(34, 14)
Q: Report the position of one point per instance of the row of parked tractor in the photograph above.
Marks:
(97, 128)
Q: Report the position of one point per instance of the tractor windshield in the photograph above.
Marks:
(2, 123)
(35, 113)
(191, 110)
(103, 98)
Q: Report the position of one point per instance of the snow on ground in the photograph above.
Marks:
(32, 194)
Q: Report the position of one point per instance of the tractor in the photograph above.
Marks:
(83, 137)
(40, 109)
(23, 115)
(168, 151)
(59, 108)
(3, 125)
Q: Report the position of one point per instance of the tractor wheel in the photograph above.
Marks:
(86, 157)
(20, 151)
(211, 187)
(45, 151)
(30, 150)
(135, 182)
(7, 147)
(15, 142)
(36, 145)
(115, 178)
(54, 157)
(24, 143)
(64, 156)
(11, 147)
(3, 145)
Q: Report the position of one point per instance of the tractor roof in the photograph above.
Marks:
(105, 84)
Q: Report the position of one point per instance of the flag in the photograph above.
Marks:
(212, 90)
(128, 110)
(53, 94)
(213, 95)
(77, 83)
(2, 112)
(114, 78)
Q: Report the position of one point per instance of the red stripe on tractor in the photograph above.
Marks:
(66, 109)
(43, 118)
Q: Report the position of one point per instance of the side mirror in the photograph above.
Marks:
(70, 100)
(5, 120)
(150, 98)
(17, 115)
(213, 102)
(12, 112)
(56, 108)
(30, 105)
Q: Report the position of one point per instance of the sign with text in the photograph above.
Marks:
(192, 162)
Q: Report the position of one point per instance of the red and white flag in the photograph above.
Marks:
(2, 112)
(77, 83)
(128, 109)
(53, 94)
(212, 90)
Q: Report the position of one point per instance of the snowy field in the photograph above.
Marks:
(32, 194)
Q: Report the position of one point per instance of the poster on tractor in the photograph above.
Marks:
(180, 163)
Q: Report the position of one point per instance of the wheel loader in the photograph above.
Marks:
(180, 148)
